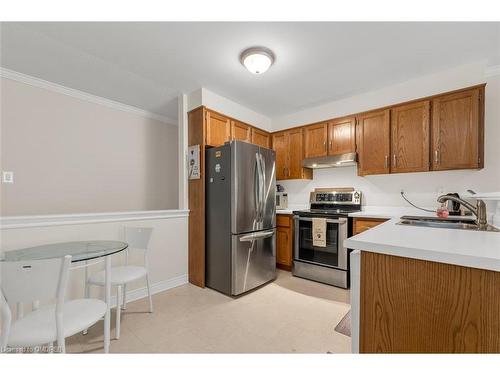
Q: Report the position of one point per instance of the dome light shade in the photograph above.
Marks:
(257, 59)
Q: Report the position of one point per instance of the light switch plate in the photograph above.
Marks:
(7, 177)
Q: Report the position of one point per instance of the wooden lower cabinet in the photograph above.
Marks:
(416, 306)
(284, 241)
(362, 224)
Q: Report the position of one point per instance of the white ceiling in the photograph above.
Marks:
(148, 64)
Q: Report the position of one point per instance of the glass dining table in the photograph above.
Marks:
(80, 251)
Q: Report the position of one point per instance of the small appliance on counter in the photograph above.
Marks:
(319, 252)
(453, 207)
(281, 200)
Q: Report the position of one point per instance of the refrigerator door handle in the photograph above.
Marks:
(256, 189)
(259, 188)
(256, 236)
(263, 189)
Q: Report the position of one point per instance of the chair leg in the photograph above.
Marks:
(118, 310)
(87, 295)
(124, 298)
(149, 294)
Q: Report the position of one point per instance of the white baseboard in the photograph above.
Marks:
(161, 286)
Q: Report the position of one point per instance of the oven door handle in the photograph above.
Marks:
(341, 220)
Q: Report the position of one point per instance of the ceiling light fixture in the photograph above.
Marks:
(257, 59)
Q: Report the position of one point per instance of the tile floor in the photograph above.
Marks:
(289, 315)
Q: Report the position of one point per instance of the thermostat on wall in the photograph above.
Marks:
(7, 177)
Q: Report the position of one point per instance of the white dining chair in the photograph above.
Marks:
(42, 280)
(138, 240)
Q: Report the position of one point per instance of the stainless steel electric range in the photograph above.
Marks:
(328, 264)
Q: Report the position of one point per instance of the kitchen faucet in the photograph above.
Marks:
(479, 211)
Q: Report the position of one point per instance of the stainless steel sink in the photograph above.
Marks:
(449, 222)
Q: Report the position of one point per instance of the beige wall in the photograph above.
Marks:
(70, 155)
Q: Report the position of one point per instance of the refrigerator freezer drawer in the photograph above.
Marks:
(253, 260)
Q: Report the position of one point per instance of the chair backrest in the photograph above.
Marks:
(35, 280)
(138, 238)
(6, 320)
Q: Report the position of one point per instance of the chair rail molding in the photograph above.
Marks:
(13, 222)
(51, 86)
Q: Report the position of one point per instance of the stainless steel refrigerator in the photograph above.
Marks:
(240, 217)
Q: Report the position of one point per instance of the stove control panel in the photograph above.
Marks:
(335, 197)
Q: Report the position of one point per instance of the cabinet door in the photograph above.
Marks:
(410, 137)
(341, 136)
(280, 146)
(456, 130)
(240, 131)
(373, 142)
(296, 155)
(218, 129)
(284, 246)
(315, 140)
(261, 138)
(362, 224)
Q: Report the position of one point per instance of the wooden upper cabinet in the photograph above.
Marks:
(373, 140)
(280, 147)
(457, 130)
(341, 136)
(289, 148)
(240, 131)
(316, 137)
(218, 129)
(261, 138)
(410, 137)
(296, 154)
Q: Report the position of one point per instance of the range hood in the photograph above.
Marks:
(333, 161)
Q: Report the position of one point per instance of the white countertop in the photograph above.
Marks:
(377, 212)
(388, 212)
(467, 248)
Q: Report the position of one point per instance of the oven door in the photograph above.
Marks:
(333, 255)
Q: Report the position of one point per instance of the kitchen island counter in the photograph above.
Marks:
(425, 290)
(468, 248)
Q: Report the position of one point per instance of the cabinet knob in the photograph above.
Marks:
(394, 160)
(436, 156)
(386, 162)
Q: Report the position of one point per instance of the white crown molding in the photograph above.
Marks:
(492, 71)
(37, 82)
(33, 221)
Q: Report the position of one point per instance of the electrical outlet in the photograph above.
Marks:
(7, 177)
